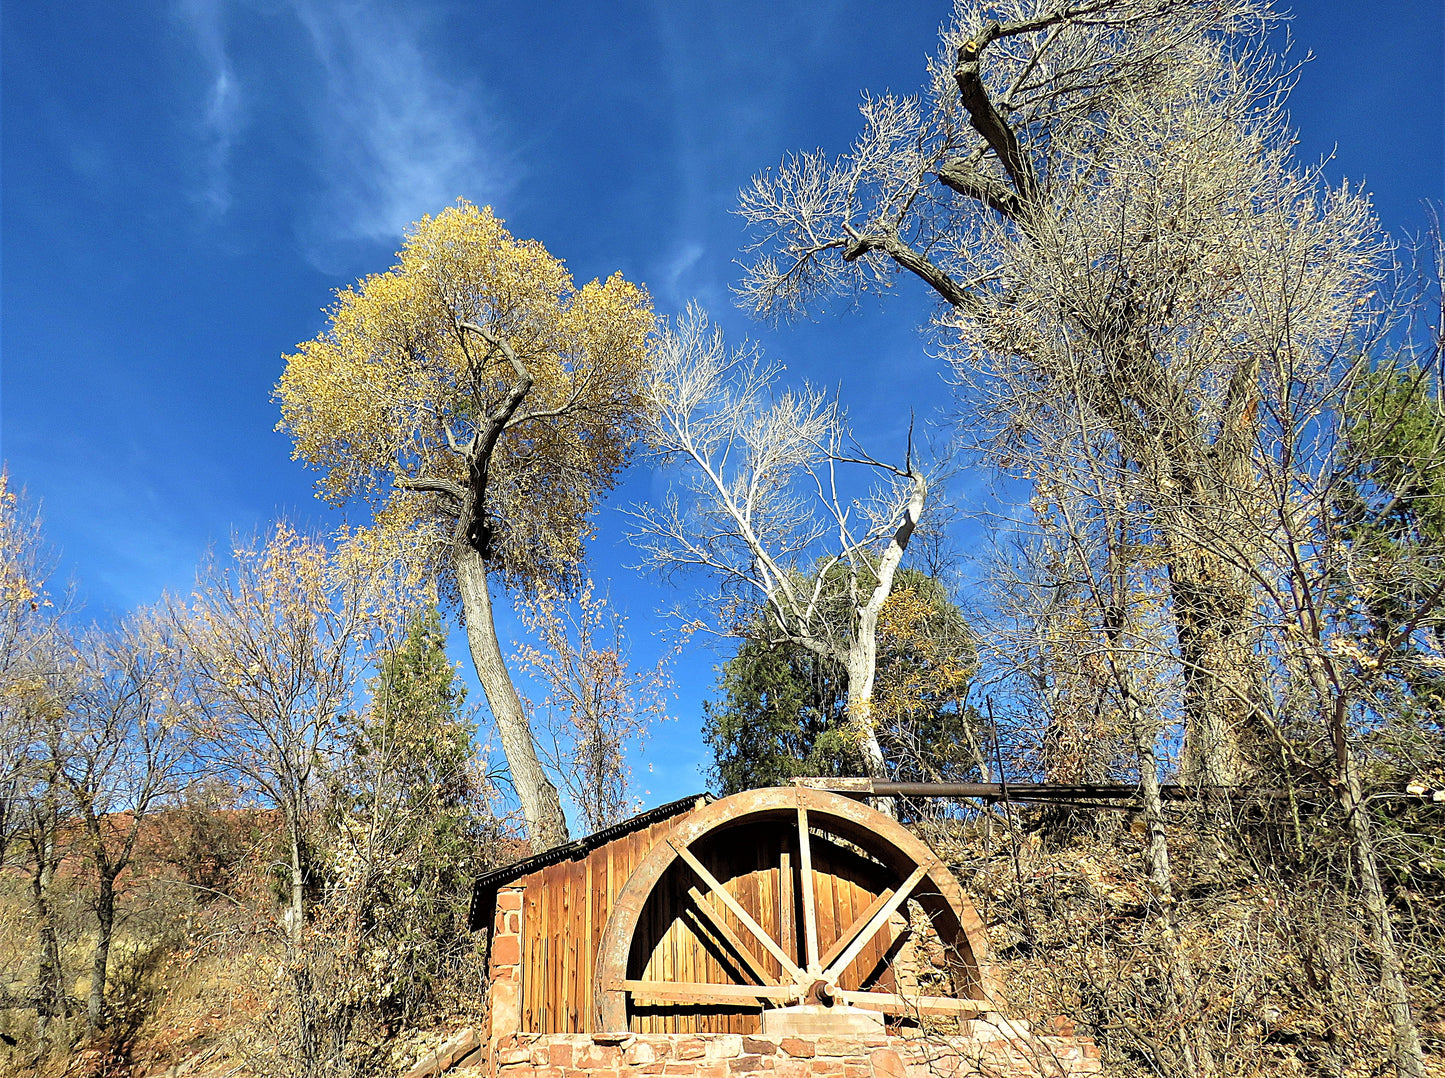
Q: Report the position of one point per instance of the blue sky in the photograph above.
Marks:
(183, 184)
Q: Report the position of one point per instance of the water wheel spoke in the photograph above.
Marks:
(728, 936)
(805, 877)
(856, 927)
(876, 922)
(771, 945)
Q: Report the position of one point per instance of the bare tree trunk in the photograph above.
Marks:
(862, 669)
(540, 804)
(296, 911)
(1213, 615)
(1405, 1048)
(104, 932)
(1406, 1052)
(863, 649)
(1181, 981)
(50, 983)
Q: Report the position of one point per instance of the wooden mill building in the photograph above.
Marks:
(766, 912)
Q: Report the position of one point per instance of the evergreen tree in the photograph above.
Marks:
(783, 710)
(411, 830)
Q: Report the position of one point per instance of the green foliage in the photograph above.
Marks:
(408, 832)
(1393, 500)
(783, 711)
(1393, 511)
(782, 714)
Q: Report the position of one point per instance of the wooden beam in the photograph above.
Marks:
(889, 1003)
(805, 875)
(857, 926)
(879, 919)
(789, 966)
(694, 992)
(729, 937)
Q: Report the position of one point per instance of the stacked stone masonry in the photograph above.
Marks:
(986, 1051)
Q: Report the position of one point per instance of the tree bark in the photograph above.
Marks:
(863, 649)
(50, 984)
(541, 806)
(1181, 985)
(104, 932)
(1406, 1052)
(296, 911)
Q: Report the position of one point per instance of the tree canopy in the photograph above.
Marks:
(480, 403)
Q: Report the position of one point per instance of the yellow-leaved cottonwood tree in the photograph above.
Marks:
(480, 403)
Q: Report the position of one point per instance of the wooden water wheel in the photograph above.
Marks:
(781, 898)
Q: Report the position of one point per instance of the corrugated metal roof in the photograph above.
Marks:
(484, 890)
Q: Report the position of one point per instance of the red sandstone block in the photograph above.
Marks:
(1090, 1050)
(758, 1047)
(712, 1070)
(649, 1068)
(799, 1049)
(887, 1063)
(596, 1057)
(745, 1064)
(513, 923)
(506, 1010)
(561, 1054)
(509, 900)
(689, 1049)
(827, 1066)
(639, 1054)
(722, 1046)
(856, 1070)
(837, 1046)
(1063, 1025)
(506, 951)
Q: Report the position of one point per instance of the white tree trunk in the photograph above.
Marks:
(541, 806)
(863, 649)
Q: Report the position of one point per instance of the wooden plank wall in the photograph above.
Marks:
(565, 909)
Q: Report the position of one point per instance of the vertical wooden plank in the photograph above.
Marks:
(556, 931)
(597, 885)
(787, 924)
(572, 908)
(528, 960)
(844, 889)
(823, 881)
(692, 969)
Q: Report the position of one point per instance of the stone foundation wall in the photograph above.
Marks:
(998, 1049)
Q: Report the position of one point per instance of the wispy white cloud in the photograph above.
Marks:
(222, 113)
(394, 137)
(390, 135)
